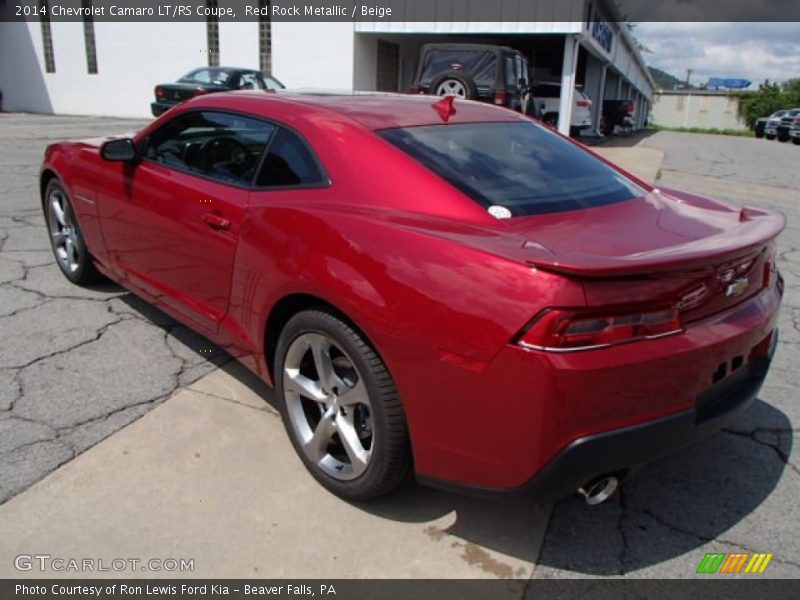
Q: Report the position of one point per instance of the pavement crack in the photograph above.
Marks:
(753, 435)
(97, 336)
(265, 409)
(706, 539)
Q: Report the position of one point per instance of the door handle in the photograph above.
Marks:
(216, 222)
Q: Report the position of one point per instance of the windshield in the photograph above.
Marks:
(520, 166)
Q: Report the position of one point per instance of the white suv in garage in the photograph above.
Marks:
(547, 95)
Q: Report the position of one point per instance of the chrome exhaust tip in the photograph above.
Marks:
(598, 490)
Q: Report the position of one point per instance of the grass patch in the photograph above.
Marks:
(713, 130)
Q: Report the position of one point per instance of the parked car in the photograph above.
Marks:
(617, 117)
(206, 80)
(794, 132)
(432, 288)
(547, 97)
(786, 124)
(771, 129)
(761, 124)
(484, 72)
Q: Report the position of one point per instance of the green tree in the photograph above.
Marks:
(770, 97)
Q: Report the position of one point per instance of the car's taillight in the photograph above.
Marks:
(160, 92)
(770, 266)
(584, 103)
(500, 97)
(563, 330)
(415, 89)
(797, 120)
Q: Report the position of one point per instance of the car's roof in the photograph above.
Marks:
(373, 111)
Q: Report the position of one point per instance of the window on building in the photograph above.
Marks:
(264, 36)
(47, 37)
(212, 33)
(388, 67)
(288, 162)
(88, 37)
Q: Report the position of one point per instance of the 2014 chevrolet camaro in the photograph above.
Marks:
(448, 290)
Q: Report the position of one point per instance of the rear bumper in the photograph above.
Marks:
(622, 450)
(546, 423)
(625, 449)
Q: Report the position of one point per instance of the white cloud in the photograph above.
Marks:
(754, 51)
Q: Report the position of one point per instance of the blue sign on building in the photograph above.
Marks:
(602, 32)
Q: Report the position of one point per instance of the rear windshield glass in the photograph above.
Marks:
(520, 166)
(477, 64)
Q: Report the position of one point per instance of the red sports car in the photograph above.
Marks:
(448, 291)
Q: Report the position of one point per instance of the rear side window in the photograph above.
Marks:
(511, 78)
(288, 162)
(520, 166)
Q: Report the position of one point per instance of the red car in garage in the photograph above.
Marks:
(440, 289)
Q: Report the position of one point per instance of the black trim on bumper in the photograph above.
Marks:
(621, 450)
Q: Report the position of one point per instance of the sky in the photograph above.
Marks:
(754, 51)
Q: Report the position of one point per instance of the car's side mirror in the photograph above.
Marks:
(123, 150)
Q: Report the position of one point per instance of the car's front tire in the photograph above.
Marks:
(796, 141)
(769, 137)
(340, 407)
(66, 239)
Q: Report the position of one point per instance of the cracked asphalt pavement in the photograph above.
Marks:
(77, 364)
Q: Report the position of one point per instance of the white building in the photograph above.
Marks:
(111, 68)
(706, 109)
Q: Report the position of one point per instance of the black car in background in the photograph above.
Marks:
(484, 72)
(206, 80)
(761, 124)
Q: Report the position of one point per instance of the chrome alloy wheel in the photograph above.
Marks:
(63, 231)
(451, 87)
(328, 406)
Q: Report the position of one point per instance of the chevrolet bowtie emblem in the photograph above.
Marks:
(738, 287)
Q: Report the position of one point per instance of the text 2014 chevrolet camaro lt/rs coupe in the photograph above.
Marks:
(446, 290)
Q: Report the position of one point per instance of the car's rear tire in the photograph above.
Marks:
(454, 84)
(783, 137)
(66, 239)
(340, 407)
(759, 134)
(769, 137)
(796, 141)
